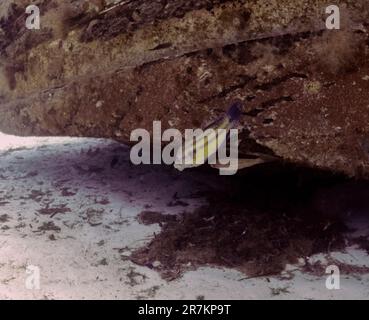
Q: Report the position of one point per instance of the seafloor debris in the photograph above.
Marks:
(260, 222)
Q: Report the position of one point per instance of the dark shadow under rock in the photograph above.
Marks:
(256, 223)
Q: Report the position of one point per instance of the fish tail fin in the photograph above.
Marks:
(235, 111)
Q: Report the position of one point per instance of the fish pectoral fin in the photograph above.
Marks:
(242, 163)
(247, 163)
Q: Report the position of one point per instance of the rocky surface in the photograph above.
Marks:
(102, 69)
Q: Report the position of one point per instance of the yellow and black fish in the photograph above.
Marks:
(208, 141)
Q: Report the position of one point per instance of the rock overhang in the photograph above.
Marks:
(304, 88)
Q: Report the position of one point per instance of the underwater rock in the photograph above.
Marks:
(104, 68)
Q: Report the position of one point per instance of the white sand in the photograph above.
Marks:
(84, 260)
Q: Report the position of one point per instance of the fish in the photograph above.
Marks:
(207, 142)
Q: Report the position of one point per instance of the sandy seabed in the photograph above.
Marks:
(70, 206)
